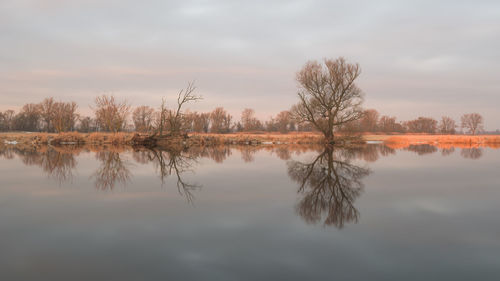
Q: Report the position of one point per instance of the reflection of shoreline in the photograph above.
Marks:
(58, 168)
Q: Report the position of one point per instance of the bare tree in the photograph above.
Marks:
(174, 118)
(271, 125)
(28, 119)
(3, 125)
(422, 125)
(8, 119)
(473, 122)
(369, 121)
(201, 122)
(447, 125)
(283, 121)
(111, 114)
(143, 118)
(46, 112)
(63, 116)
(220, 121)
(328, 95)
(389, 124)
(249, 121)
(86, 125)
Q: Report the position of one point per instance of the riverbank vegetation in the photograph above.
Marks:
(443, 141)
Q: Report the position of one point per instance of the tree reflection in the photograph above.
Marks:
(472, 153)
(113, 169)
(59, 164)
(173, 161)
(422, 149)
(329, 185)
(447, 151)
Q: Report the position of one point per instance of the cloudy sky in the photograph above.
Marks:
(429, 58)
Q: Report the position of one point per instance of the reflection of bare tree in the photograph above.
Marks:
(6, 152)
(370, 153)
(175, 162)
(330, 184)
(56, 163)
(447, 151)
(141, 156)
(385, 150)
(472, 153)
(247, 153)
(216, 153)
(59, 164)
(112, 170)
(422, 149)
(283, 152)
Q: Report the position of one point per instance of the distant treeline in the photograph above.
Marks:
(371, 121)
(111, 115)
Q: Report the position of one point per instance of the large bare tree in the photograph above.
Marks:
(329, 97)
(473, 122)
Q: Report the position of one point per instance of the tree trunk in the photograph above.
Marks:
(329, 138)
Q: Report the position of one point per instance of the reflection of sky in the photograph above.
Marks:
(422, 217)
(418, 57)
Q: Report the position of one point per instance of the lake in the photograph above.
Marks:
(250, 213)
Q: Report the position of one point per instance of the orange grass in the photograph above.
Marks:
(257, 137)
(68, 137)
(444, 141)
(109, 138)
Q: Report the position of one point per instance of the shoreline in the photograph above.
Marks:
(264, 138)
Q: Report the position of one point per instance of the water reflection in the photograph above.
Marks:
(422, 149)
(329, 185)
(472, 153)
(436, 208)
(113, 169)
(174, 162)
(58, 163)
(447, 151)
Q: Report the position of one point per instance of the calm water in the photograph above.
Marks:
(248, 213)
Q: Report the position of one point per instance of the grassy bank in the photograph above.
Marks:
(443, 141)
(194, 139)
(65, 138)
(21, 138)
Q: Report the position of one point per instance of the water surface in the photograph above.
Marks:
(250, 213)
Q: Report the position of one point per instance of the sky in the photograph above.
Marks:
(418, 58)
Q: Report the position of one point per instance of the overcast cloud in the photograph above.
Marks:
(418, 58)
